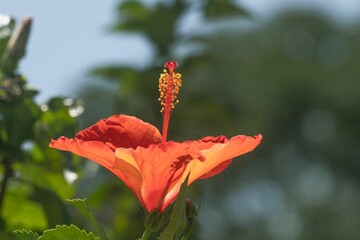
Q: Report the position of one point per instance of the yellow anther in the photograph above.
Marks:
(169, 86)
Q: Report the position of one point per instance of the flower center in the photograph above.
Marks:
(169, 86)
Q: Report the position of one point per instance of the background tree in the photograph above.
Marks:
(294, 79)
(34, 179)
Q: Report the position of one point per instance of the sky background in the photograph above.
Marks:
(70, 37)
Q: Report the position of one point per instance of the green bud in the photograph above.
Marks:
(191, 213)
(155, 220)
(191, 210)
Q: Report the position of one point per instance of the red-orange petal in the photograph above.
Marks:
(121, 131)
(162, 167)
(219, 152)
(98, 142)
(216, 170)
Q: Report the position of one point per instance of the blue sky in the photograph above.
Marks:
(69, 37)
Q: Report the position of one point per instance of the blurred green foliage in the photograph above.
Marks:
(33, 176)
(293, 78)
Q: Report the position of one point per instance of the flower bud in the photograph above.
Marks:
(191, 213)
(191, 210)
(155, 220)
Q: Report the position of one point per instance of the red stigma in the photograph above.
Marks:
(171, 65)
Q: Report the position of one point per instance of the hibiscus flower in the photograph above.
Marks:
(152, 167)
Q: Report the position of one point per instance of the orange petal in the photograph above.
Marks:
(121, 131)
(94, 150)
(216, 170)
(218, 155)
(128, 173)
(162, 167)
(99, 141)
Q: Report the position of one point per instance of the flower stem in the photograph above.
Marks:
(146, 234)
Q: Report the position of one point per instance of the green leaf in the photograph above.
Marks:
(54, 208)
(15, 48)
(25, 235)
(7, 25)
(19, 211)
(68, 233)
(18, 121)
(82, 206)
(177, 222)
(133, 10)
(57, 119)
(135, 16)
(223, 8)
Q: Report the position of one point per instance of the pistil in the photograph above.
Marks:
(169, 86)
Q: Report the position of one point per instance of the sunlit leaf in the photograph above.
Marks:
(25, 235)
(20, 212)
(67, 232)
(83, 207)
